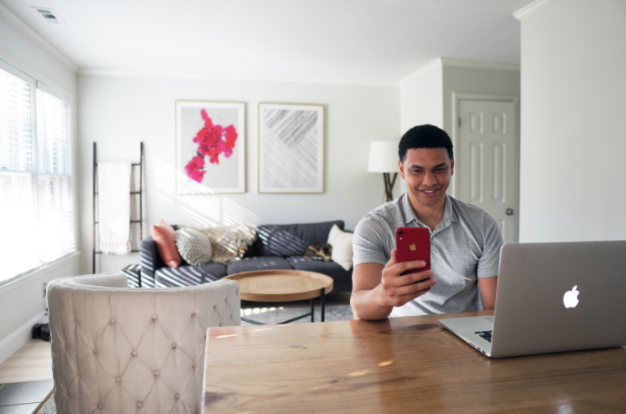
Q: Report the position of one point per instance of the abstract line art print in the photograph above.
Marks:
(291, 148)
(210, 147)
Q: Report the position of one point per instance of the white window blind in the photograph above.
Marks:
(36, 203)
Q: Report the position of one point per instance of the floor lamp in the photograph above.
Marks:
(384, 159)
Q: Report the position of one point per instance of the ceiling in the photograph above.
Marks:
(352, 41)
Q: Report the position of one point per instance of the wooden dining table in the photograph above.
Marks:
(399, 365)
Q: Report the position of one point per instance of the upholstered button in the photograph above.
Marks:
(139, 404)
(99, 405)
(220, 323)
(156, 373)
(194, 313)
(95, 351)
(154, 317)
(113, 320)
(177, 396)
(174, 345)
(118, 379)
(134, 353)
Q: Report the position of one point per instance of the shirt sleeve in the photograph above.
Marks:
(489, 262)
(368, 242)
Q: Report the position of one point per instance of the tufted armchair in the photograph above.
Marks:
(117, 350)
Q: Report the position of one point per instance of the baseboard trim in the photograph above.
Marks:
(13, 342)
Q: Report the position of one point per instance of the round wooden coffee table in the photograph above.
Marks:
(284, 286)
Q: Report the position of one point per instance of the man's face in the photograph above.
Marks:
(427, 172)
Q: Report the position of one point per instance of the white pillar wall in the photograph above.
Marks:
(572, 132)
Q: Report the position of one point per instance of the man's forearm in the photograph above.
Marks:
(365, 305)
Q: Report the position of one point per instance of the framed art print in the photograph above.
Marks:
(210, 147)
(291, 148)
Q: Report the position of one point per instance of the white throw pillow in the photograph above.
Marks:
(342, 247)
(193, 246)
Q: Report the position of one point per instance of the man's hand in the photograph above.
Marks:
(377, 289)
(397, 289)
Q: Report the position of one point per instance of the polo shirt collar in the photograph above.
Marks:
(449, 215)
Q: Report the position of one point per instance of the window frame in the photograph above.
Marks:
(36, 84)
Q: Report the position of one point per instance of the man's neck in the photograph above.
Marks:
(431, 216)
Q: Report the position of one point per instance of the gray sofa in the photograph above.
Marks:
(276, 247)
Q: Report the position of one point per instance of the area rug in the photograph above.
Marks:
(47, 406)
(273, 315)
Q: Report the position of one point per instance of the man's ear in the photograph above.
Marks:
(452, 166)
(401, 167)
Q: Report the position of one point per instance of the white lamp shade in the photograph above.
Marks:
(383, 157)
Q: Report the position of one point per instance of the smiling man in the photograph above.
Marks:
(465, 241)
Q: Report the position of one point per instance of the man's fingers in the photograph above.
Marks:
(414, 288)
(410, 278)
(404, 267)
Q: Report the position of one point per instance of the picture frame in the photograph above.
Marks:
(210, 147)
(291, 148)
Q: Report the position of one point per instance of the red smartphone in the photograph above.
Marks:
(413, 243)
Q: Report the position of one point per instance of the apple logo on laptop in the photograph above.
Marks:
(412, 247)
(570, 299)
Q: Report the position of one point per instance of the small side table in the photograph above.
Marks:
(284, 286)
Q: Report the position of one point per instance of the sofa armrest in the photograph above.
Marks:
(150, 261)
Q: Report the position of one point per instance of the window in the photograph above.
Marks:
(36, 201)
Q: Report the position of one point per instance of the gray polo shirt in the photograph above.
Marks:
(464, 246)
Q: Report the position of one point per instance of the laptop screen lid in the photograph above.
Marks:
(555, 297)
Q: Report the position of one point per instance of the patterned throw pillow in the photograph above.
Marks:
(230, 242)
(193, 246)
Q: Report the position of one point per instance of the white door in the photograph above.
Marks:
(486, 161)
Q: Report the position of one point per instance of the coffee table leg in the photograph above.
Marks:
(313, 310)
(323, 302)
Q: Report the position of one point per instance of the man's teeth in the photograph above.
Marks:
(429, 191)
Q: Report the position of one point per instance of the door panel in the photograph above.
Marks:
(486, 161)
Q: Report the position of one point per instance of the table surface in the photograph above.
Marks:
(281, 285)
(398, 365)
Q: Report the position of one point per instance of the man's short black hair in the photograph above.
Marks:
(424, 136)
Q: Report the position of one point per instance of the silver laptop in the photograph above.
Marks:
(553, 297)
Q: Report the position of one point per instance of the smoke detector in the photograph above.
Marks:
(49, 14)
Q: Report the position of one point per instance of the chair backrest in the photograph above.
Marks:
(120, 350)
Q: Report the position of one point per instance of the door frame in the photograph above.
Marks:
(456, 110)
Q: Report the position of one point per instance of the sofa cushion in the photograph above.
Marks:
(163, 235)
(193, 246)
(248, 264)
(187, 275)
(342, 247)
(332, 269)
(291, 239)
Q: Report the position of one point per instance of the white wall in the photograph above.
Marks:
(421, 97)
(573, 137)
(21, 301)
(119, 112)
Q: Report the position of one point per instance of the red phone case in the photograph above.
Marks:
(413, 243)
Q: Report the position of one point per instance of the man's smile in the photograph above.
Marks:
(430, 193)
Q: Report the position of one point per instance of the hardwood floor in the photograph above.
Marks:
(31, 362)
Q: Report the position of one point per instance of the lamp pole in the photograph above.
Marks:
(389, 183)
(383, 158)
